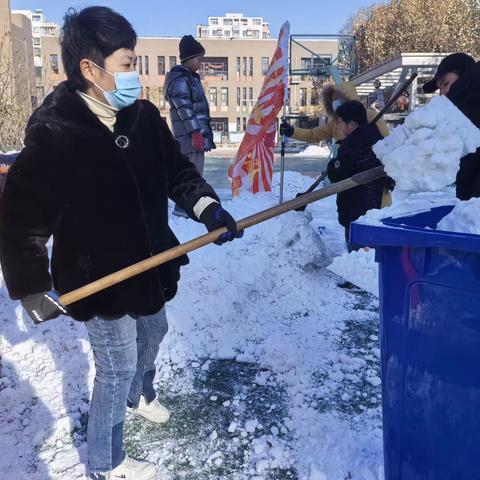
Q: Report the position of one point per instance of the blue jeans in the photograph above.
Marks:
(124, 351)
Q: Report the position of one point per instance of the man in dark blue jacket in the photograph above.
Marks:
(189, 109)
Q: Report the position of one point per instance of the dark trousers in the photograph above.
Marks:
(351, 247)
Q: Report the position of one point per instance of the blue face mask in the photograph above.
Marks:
(336, 104)
(127, 88)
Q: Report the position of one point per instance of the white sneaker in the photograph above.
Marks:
(153, 411)
(130, 469)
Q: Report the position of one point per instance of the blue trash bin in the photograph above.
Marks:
(430, 343)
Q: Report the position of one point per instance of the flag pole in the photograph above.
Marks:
(284, 138)
(196, 243)
(282, 159)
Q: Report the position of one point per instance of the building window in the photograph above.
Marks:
(37, 52)
(214, 67)
(238, 66)
(265, 35)
(238, 124)
(265, 65)
(244, 95)
(257, 21)
(172, 61)
(140, 65)
(227, 21)
(303, 97)
(36, 30)
(37, 18)
(236, 33)
(147, 89)
(250, 66)
(227, 33)
(250, 94)
(212, 96)
(224, 96)
(36, 41)
(244, 123)
(161, 65)
(54, 63)
(204, 32)
(214, 21)
(244, 69)
(39, 71)
(256, 34)
(238, 96)
(147, 65)
(40, 92)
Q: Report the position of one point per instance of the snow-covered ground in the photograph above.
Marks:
(271, 370)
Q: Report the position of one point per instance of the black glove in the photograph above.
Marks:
(214, 216)
(286, 129)
(43, 306)
(300, 209)
(390, 184)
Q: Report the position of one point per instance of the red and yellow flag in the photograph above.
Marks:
(253, 164)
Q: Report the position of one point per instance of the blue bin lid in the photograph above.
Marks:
(415, 230)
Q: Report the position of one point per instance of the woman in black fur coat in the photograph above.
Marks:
(96, 173)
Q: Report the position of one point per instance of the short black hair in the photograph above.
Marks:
(352, 111)
(93, 33)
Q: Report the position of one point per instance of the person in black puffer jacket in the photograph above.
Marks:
(355, 155)
(189, 108)
(458, 78)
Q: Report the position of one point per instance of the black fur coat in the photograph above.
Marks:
(105, 206)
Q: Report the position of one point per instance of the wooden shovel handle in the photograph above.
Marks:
(196, 243)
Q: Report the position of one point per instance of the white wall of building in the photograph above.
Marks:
(235, 25)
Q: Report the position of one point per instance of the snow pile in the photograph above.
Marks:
(359, 268)
(423, 154)
(414, 203)
(264, 300)
(463, 218)
(314, 151)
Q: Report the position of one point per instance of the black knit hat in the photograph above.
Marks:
(456, 62)
(190, 48)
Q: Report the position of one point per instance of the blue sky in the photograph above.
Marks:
(174, 18)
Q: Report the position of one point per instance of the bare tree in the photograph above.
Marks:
(16, 93)
(386, 30)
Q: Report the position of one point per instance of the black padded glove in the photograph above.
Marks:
(214, 216)
(43, 306)
(286, 129)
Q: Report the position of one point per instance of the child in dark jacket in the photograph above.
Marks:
(355, 155)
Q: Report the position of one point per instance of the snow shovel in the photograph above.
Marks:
(380, 114)
(164, 257)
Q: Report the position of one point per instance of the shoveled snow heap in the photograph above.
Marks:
(463, 218)
(265, 300)
(423, 154)
(315, 151)
(358, 268)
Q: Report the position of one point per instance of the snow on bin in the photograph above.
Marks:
(430, 343)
